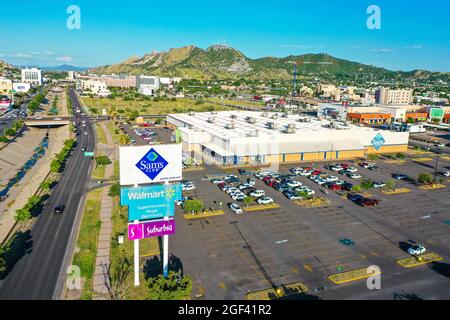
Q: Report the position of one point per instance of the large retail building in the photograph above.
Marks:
(251, 137)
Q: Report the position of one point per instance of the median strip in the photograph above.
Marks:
(419, 260)
(271, 294)
(261, 207)
(206, 214)
(351, 276)
(313, 202)
(433, 187)
(422, 159)
(396, 191)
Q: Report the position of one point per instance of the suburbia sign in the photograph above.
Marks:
(151, 229)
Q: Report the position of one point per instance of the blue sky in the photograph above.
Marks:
(414, 34)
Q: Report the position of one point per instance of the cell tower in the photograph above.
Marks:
(294, 86)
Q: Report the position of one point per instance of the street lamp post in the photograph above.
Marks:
(438, 153)
(424, 218)
(279, 243)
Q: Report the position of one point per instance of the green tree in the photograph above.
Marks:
(114, 190)
(23, 215)
(133, 115)
(118, 288)
(248, 200)
(175, 287)
(367, 184)
(357, 188)
(391, 184)
(193, 206)
(55, 166)
(425, 178)
(10, 132)
(2, 260)
(4, 139)
(102, 161)
(400, 156)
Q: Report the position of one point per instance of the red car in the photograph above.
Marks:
(369, 203)
(345, 166)
(335, 187)
(271, 183)
(265, 179)
(316, 173)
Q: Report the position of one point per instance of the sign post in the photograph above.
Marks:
(136, 260)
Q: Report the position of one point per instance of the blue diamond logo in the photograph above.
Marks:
(378, 141)
(152, 164)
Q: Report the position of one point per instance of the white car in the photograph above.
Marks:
(446, 174)
(85, 133)
(439, 145)
(293, 184)
(257, 194)
(378, 185)
(38, 118)
(236, 209)
(265, 200)
(352, 170)
(332, 179)
(336, 168)
(354, 175)
(297, 171)
(416, 250)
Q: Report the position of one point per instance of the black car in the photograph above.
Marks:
(59, 209)
(355, 197)
(400, 177)
(347, 186)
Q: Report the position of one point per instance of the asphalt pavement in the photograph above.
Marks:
(36, 273)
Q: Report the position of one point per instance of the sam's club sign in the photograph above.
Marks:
(150, 164)
(152, 202)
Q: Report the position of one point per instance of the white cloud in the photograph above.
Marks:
(383, 50)
(49, 53)
(65, 59)
(22, 55)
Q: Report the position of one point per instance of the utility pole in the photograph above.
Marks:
(438, 153)
(279, 243)
(424, 218)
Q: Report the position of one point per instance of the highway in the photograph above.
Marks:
(35, 275)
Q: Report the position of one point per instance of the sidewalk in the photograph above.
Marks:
(105, 235)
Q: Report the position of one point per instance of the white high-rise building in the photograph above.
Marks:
(32, 76)
(387, 96)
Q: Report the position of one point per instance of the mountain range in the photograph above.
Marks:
(223, 62)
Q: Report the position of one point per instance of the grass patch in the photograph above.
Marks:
(87, 241)
(99, 172)
(260, 207)
(153, 107)
(101, 136)
(396, 191)
(206, 214)
(147, 247)
(432, 186)
(116, 170)
(314, 202)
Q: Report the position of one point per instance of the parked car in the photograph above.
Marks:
(291, 195)
(398, 176)
(335, 187)
(353, 175)
(351, 169)
(368, 202)
(347, 186)
(293, 183)
(265, 200)
(217, 181)
(378, 185)
(416, 250)
(257, 194)
(446, 174)
(236, 208)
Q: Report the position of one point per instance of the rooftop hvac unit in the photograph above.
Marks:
(253, 133)
(230, 125)
(290, 130)
(271, 125)
(214, 112)
(291, 126)
(264, 115)
(192, 113)
(233, 116)
(211, 119)
(284, 115)
(251, 120)
(275, 116)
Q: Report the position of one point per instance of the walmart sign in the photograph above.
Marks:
(147, 203)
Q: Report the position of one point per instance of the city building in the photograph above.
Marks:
(369, 118)
(5, 104)
(252, 137)
(147, 85)
(6, 86)
(21, 87)
(119, 81)
(93, 86)
(386, 96)
(32, 76)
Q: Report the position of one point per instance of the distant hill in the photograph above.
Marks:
(64, 67)
(223, 62)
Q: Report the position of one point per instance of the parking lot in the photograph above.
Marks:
(149, 135)
(231, 255)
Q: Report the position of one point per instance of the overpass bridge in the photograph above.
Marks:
(54, 122)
